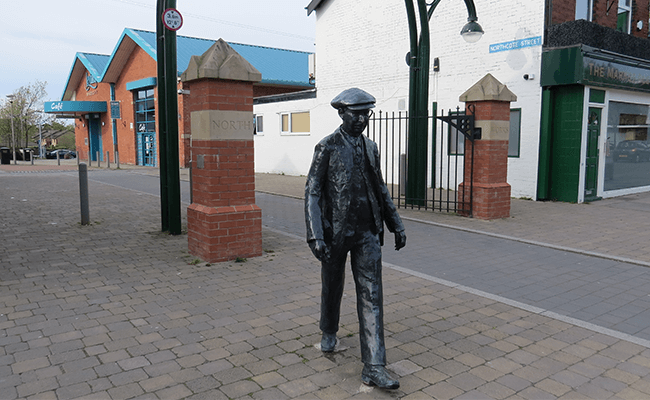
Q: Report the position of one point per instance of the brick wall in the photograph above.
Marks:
(228, 175)
(564, 11)
(82, 132)
(223, 221)
(229, 95)
(139, 66)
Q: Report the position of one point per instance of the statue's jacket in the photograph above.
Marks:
(328, 191)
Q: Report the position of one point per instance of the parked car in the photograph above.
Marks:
(63, 154)
(632, 150)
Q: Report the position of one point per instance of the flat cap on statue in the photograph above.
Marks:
(354, 99)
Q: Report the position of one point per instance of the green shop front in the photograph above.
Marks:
(594, 125)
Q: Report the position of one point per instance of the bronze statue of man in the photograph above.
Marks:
(346, 206)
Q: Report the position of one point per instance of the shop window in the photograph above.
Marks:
(584, 9)
(515, 132)
(145, 125)
(258, 124)
(456, 139)
(297, 122)
(627, 149)
(624, 20)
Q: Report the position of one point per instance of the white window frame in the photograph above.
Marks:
(290, 114)
(258, 120)
(590, 10)
(626, 8)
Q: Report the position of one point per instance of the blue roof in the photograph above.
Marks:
(278, 66)
(94, 63)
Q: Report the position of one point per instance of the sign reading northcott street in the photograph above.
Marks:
(516, 44)
(172, 19)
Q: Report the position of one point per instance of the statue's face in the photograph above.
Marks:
(354, 121)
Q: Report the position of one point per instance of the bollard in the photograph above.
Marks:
(83, 194)
(78, 158)
(108, 160)
(58, 158)
(32, 158)
(99, 164)
(117, 159)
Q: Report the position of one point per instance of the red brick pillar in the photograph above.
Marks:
(490, 101)
(223, 222)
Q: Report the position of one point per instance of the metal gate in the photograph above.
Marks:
(445, 164)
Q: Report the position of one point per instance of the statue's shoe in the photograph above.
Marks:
(376, 375)
(328, 342)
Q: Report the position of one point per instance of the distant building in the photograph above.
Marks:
(113, 98)
(580, 70)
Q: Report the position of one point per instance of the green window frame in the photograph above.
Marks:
(514, 140)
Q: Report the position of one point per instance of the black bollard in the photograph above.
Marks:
(83, 194)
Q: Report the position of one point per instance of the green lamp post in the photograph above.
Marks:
(168, 20)
(418, 61)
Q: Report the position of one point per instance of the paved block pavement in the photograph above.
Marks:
(119, 310)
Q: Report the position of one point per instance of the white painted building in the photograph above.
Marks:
(364, 44)
(571, 63)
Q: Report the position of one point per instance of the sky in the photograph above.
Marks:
(40, 38)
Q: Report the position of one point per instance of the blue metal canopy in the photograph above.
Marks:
(66, 107)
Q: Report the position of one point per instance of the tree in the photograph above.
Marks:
(26, 109)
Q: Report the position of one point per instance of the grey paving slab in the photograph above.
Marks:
(118, 310)
(561, 281)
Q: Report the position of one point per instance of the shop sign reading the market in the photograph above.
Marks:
(586, 65)
(607, 73)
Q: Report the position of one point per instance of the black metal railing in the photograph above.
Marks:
(446, 159)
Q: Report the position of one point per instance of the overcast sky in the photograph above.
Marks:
(40, 38)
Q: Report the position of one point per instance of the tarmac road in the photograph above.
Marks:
(604, 292)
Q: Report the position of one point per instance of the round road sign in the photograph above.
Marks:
(172, 19)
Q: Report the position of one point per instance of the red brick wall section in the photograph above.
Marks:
(489, 110)
(564, 10)
(228, 176)
(225, 233)
(102, 93)
(490, 160)
(139, 66)
(184, 128)
(491, 191)
(223, 222)
(228, 95)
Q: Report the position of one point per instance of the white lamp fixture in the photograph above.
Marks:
(472, 31)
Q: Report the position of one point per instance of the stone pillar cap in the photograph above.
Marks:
(221, 61)
(488, 89)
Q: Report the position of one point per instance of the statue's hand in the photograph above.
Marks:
(319, 248)
(400, 240)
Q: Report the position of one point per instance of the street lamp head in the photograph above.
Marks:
(11, 97)
(472, 31)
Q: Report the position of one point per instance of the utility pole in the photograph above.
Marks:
(418, 61)
(13, 137)
(170, 190)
